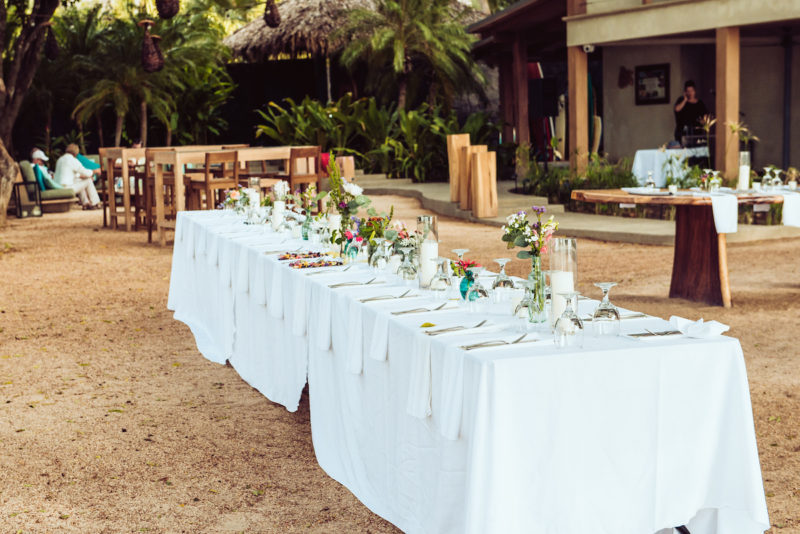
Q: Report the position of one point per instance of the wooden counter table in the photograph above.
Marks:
(700, 262)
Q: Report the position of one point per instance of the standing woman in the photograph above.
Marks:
(688, 111)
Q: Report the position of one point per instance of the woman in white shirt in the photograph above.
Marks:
(70, 173)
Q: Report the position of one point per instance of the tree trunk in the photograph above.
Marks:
(118, 130)
(143, 125)
(169, 136)
(99, 131)
(8, 175)
(401, 92)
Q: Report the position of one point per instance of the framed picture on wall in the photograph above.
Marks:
(652, 84)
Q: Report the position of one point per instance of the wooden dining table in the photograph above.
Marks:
(180, 158)
(700, 260)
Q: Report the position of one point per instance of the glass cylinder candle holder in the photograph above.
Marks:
(428, 230)
(563, 255)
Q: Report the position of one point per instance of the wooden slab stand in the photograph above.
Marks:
(454, 145)
(465, 183)
(484, 184)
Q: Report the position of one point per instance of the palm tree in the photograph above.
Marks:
(412, 37)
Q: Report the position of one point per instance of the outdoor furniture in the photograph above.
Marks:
(221, 172)
(621, 435)
(27, 194)
(304, 167)
(130, 197)
(262, 155)
(656, 161)
(700, 263)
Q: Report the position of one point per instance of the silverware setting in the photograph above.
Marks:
(621, 317)
(388, 297)
(423, 310)
(453, 329)
(324, 271)
(499, 343)
(650, 333)
(270, 252)
(371, 282)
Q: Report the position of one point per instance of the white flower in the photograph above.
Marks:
(280, 190)
(351, 188)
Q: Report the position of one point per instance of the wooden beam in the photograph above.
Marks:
(578, 109)
(519, 59)
(576, 7)
(727, 143)
(506, 80)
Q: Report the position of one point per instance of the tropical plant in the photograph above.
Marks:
(419, 42)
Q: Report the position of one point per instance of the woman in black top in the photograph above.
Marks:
(688, 111)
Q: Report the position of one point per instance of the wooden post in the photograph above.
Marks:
(465, 186)
(519, 59)
(724, 280)
(454, 145)
(727, 142)
(484, 184)
(506, 83)
(578, 109)
(126, 190)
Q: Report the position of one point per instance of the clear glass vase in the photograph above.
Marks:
(537, 309)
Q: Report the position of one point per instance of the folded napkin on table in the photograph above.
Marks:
(791, 209)
(726, 211)
(698, 329)
(419, 387)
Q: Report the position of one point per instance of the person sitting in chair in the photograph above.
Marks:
(70, 173)
(40, 170)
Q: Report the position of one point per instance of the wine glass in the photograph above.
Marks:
(441, 283)
(605, 320)
(477, 295)
(502, 279)
(378, 259)
(568, 330)
(460, 252)
(407, 271)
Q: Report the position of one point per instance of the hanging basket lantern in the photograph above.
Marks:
(51, 49)
(167, 8)
(152, 58)
(271, 14)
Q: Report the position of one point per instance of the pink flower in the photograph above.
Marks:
(359, 239)
(349, 235)
(235, 195)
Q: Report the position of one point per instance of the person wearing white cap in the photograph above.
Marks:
(70, 173)
(40, 170)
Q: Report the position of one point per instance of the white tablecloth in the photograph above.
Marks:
(622, 436)
(655, 159)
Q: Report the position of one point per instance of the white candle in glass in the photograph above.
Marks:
(255, 197)
(394, 263)
(278, 210)
(744, 178)
(560, 282)
(428, 252)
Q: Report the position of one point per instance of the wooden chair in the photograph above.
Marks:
(221, 172)
(304, 167)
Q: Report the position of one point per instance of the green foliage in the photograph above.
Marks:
(414, 46)
(397, 142)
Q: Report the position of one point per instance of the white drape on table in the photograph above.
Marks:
(621, 436)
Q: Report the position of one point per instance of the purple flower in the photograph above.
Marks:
(342, 205)
(539, 209)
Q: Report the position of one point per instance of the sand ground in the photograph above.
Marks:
(111, 421)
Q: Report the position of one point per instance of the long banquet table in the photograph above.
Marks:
(620, 436)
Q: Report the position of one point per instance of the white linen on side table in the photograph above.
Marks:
(791, 209)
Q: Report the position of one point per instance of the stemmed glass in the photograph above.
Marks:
(502, 279)
(477, 295)
(441, 282)
(460, 252)
(568, 330)
(605, 320)
(407, 271)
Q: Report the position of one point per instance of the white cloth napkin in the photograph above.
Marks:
(698, 329)
(379, 346)
(726, 212)
(791, 209)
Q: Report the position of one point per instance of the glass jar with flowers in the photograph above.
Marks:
(462, 268)
(346, 198)
(534, 236)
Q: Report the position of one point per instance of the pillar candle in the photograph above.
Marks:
(560, 282)
(278, 209)
(744, 178)
(428, 253)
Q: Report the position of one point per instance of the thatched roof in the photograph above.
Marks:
(306, 28)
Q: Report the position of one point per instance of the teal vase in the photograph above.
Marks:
(306, 228)
(465, 284)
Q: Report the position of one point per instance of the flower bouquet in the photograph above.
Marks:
(344, 197)
(534, 236)
(237, 199)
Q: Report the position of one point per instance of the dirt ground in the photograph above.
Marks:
(111, 421)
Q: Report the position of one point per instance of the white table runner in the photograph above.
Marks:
(620, 436)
